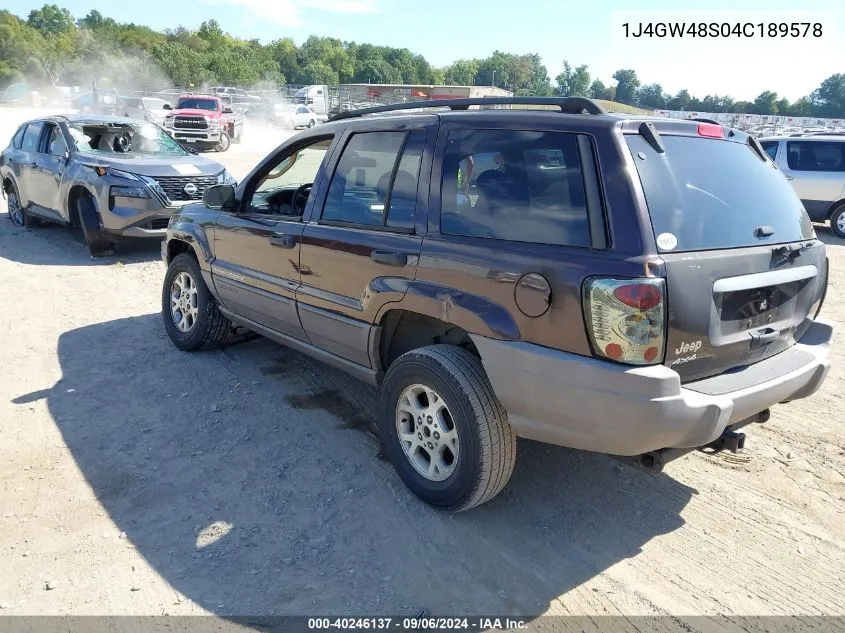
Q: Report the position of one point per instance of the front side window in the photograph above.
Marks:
(815, 156)
(56, 144)
(31, 136)
(284, 190)
(522, 186)
(375, 182)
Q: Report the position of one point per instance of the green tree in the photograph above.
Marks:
(680, 101)
(830, 96)
(574, 82)
(651, 96)
(286, 55)
(765, 103)
(316, 72)
(626, 86)
(597, 89)
(51, 20)
(462, 72)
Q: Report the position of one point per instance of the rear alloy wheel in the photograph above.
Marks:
(443, 428)
(224, 142)
(837, 221)
(312, 123)
(190, 312)
(17, 215)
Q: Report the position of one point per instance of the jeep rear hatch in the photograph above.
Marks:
(744, 272)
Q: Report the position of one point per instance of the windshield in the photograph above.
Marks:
(708, 194)
(126, 139)
(198, 104)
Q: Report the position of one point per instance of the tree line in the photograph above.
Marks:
(53, 47)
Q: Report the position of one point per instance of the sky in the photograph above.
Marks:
(590, 33)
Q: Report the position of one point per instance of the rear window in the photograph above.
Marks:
(706, 194)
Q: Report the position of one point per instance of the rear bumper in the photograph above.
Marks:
(595, 405)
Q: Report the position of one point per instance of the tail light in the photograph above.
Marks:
(626, 319)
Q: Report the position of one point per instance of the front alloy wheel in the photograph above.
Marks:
(184, 302)
(224, 142)
(427, 433)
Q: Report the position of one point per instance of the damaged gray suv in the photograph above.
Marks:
(109, 177)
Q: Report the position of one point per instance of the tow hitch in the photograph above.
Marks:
(730, 440)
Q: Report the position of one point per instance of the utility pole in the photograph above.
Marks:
(493, 83)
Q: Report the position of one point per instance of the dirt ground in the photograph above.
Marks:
(137, 479)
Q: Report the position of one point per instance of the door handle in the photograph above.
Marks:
(391, 259)
(282, 240)
(788, 177)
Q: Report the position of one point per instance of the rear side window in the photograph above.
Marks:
(375, 183)
(522, 186)
(710, 194)
(31, 136)
(815, 156)
(771, 148)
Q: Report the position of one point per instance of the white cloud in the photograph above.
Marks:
(289, 12)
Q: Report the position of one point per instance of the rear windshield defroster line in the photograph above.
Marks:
(706, 194)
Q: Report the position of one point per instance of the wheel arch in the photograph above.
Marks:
(75, 192)
(833, 207)
(404, 330)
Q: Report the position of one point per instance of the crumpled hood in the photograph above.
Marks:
(150, 166)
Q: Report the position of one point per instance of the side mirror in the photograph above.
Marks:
(227, 110)
(167, 106)
(219, 197)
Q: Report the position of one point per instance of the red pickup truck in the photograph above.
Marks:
(204, 120)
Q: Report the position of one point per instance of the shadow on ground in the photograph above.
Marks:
(59, 246)
(246, 480)
(824, 233)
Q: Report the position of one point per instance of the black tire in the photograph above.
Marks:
(17, 215)
(487, 444)
(311, 123)
(210, 329)
(224, 142)
(837, 221)
(88, 221)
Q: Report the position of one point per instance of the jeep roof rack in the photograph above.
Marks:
(567, 105)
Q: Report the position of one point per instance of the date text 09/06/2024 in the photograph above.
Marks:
(723, 29)
(416, 624)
